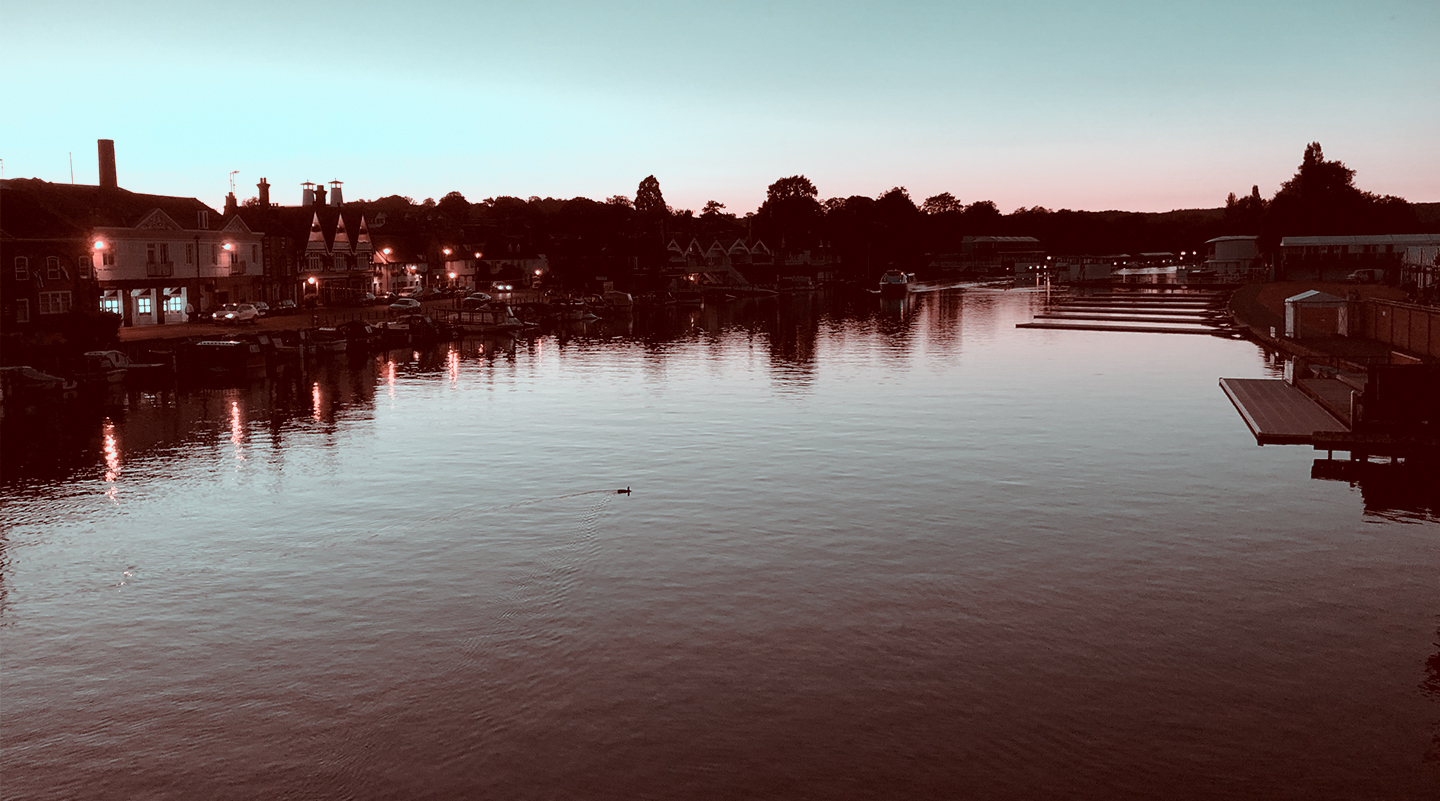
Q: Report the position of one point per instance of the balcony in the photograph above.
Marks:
(159, 269)
(238, 268)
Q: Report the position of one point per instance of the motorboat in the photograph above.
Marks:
(896, 283)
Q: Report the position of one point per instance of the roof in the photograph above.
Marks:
(1369, 239)
(36, 209)
(1314, 296)
(1025, 239)
(294, 221)
(1232, 239)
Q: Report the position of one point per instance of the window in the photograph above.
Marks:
(214, 253)
(22, 311)
(86, 265)
(255, 253)
(143, 305)
(230, 257)
(189, 254)
(54, 302)
(108, 257)
(52, 268)
(339, 264)
(149, 252)
(110, 303)
(316, 264)
(202, 219)
(22, 268)
(174, 305)
(164, 248)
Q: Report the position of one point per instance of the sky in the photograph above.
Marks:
(1139, 106)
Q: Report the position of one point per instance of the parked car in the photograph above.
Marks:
(405, 306)
(386, 298)
(501, 286)
(1371, 276)
(218, 313)
(263, 308)
(285, 307)
(241, 313)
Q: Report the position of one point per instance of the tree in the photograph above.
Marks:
(1322, 199)
(648, 199)
(796, 186)
(941, 203)
(712, 209)
(455, 206)
(619, 200)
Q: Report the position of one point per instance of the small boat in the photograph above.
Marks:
(105, 367)
(225, 356)
(896, 283)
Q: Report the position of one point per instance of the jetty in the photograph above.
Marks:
(1140, 312)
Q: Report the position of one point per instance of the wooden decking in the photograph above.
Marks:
(1279, 414)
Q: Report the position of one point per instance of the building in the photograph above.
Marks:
(1233, 256)
(1331, 258)
(321, 249)
(147, 258)
(999, 255)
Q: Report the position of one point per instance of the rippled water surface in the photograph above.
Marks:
(874, 549)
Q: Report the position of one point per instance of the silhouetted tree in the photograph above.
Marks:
(455, 206)
(712, 208)
(619, 200)
(1322, 200)
(648, 199)
(790, 217)
(941, 203)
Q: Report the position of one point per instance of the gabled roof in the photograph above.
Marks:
(39, 209)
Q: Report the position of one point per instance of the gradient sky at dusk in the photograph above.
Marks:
(1130, 105)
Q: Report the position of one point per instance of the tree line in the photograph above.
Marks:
(625, 235)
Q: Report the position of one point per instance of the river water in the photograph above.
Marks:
(874, 549)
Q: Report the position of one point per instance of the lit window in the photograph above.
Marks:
(143, 305)
(54, 302)
(22, 268)
(174, 305)
(110, 303)
(52, 268)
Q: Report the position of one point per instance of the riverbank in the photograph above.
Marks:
(1260, 309)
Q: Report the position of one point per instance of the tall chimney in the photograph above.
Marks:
(264, 187)
(230, 205)
(319, 195)
(308, 199)
(107, 164)
(335, 193)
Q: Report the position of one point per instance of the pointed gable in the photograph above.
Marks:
(317, 235)
(342, 239)
(362, 239)
(157, 220)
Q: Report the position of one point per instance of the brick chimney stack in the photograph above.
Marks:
(107, 164)
(264, 187)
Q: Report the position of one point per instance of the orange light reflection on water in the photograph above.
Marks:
(112, 455)
(452, 362)
(316, 402)
(237, 430)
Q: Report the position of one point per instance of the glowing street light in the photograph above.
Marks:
(99, 244)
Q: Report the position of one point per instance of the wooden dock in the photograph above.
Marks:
(1138, 314)
(1280, 414)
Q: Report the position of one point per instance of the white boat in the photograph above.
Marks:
(105, 366)
(896, 283)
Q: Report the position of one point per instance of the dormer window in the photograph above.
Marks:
(202, 220)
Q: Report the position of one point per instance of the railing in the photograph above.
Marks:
(160, 269)
(237, 268)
